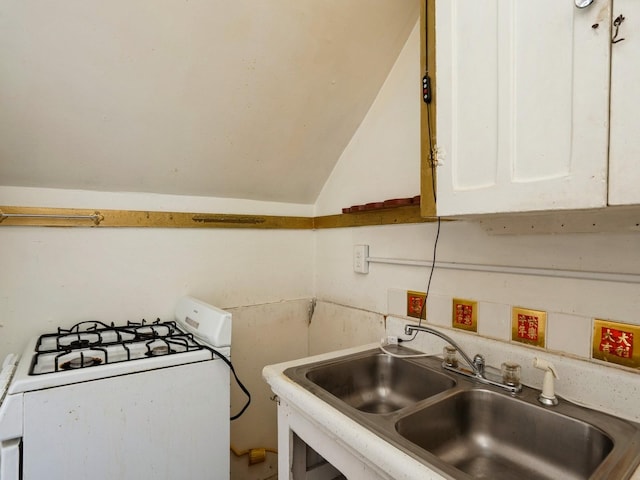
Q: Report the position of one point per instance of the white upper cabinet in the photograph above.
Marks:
(523, 105)
(624, 151)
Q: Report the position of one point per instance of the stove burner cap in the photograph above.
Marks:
(159, 350)
(80, 362)
(80, 344)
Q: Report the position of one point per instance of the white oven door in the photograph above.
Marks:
(10, 459)
(163, 424)
(10, 420)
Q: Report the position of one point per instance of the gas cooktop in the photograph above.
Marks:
(93, 343)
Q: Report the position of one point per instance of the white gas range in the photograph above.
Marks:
(135, 401)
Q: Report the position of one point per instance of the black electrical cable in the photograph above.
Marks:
(233, 370)
(432, 160)
(433, 266)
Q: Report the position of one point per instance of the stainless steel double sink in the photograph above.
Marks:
(466, 430)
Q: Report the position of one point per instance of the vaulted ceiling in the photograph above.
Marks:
(226, 98)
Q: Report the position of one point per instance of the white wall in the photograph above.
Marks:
(58, 276)
(53, 197)
(382, 159)
(393, 168)
(203, 97)
(263, 335)
(52, 277)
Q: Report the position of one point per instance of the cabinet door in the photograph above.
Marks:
(523, 92)
(624, 152)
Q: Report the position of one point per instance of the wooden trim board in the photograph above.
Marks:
(62, 217)
(428, 112)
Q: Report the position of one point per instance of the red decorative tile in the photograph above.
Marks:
(617, 343)
(465, 315)
(528, 326)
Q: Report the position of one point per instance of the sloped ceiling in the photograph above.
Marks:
(226, 98)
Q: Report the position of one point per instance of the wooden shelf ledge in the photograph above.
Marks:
(98, 218)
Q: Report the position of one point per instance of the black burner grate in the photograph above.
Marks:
(93, 343)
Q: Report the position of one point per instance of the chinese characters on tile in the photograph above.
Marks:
(616, 342)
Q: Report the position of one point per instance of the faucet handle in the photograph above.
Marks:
(511, 373)
(450, 357)
(478, 361)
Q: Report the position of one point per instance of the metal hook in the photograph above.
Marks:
(616, 23)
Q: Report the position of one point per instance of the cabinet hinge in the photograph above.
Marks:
(436, 157)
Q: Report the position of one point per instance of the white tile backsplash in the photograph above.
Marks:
(569, 334)
(439, 309)
(494, 320)
(397, 302)
(566, 334)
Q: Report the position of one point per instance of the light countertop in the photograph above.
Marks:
(371, 448)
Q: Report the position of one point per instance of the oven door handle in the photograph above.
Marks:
(10, 459)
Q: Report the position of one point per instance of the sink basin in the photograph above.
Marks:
(371, 381)
(465, 430)
(491, 435)
(379, 383)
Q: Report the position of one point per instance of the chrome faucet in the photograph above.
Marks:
(478, 368)
(477, 365)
